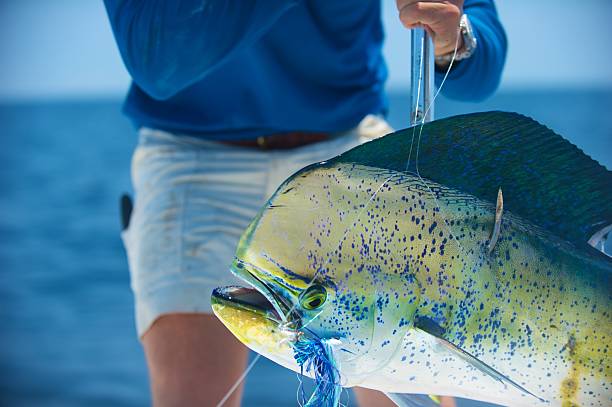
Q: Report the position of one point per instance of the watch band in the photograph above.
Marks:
(469, 43)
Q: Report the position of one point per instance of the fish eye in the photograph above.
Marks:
(313, 297)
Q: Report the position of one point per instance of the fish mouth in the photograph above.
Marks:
(254, 321)
(259, 298)
(256, 316)
(247, 299)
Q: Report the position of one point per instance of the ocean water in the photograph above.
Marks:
(67, 333)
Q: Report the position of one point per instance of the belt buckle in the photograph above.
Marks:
(261, 142)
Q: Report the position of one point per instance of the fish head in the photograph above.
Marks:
(302, 285)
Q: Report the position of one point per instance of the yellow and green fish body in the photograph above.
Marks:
(416, 292)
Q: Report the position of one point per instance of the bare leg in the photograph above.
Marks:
(368, 398)
(193, 361)
(447, 401)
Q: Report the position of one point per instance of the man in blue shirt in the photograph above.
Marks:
(230, 98)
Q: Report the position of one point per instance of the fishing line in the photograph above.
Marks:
(240, 380)
(326, 350)
(373, 196)
(428, 107)
(301, 394)
(348, 398)
(354, 223)
(450, 66)
(416, 107)
(311, 319)
(418, 174)
(348, 229)
(412, 139)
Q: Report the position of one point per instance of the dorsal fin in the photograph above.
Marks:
(545, 179)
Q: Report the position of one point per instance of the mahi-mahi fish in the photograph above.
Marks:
(428, 279)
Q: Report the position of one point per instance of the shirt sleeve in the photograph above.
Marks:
(477, 77)
(167, 45)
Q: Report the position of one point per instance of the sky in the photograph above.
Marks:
(65, 48)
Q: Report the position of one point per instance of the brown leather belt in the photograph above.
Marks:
(281, 141)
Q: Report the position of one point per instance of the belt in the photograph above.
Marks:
(281, 141)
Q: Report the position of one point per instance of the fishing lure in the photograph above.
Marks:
(314, 356)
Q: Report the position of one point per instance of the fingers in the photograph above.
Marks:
(439, 18)
(433, 14)
(402, 3)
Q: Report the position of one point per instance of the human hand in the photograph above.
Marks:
(439, 18)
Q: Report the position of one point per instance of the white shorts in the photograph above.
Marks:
(193, 200)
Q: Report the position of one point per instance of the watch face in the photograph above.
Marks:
(469, 40)
(469, 43)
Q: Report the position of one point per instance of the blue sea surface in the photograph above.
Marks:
(67, 334)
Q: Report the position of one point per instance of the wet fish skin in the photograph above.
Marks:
(415, 301)
(529, 309)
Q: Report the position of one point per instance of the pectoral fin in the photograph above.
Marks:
(468, 358)
(486, 369)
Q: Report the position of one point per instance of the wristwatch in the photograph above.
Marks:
(469, 43)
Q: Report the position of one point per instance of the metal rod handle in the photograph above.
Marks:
(422, 77)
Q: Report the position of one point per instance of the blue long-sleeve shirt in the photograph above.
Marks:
(226, 69)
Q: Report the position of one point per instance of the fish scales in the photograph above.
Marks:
(521, 305)
(414, 298)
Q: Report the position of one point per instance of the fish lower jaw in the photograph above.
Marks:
(247, 299)
(254, 322)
